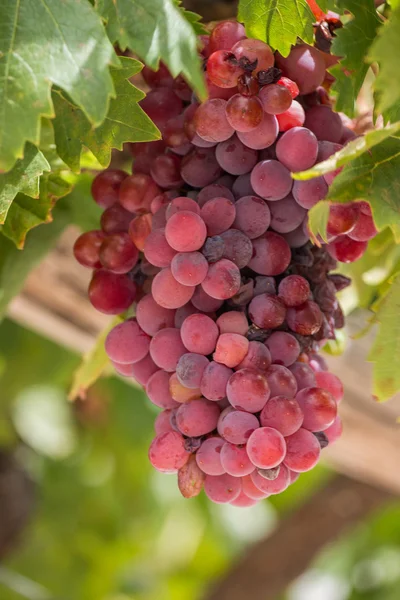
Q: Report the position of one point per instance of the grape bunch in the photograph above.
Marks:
(208, 239)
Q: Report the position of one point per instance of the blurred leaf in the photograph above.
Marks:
(318, 220)
(157, 30)
(125, 121)
(277, 22)
(24, 177)
(84, 212)
(352, 43)
(386, 348)
(93, 365)
(52, 42)
(337, 346)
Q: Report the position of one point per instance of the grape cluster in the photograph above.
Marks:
(208, 237)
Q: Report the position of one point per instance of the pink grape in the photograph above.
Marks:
(204, 302)
(331, 383)
(262, 136)
(324, 123)
(271, 180)
(271, 254)
(157, 250)
(106, 186)
(189, 268)
(225, 35)
(283, 414)
(151, 317)
(211, 122)
(233, 322)
(266, 448)
(185, 231)
(248, 390)
(198, 417)
(237, 247)
(168, 293)
(182, 203)
(180, 393)
(242, 186)
(252, 216)
(127, 343)
(231, 349)
(208, 456)
(298, 237)
(267, 311)
(157, 390)
(252, 50)
(284, 348)
(222, 280)
(165, 171)
(199, 334)
(183, 312)
(294, 290)
(308, 193)
(110, 293)
(293, 117)
(275, 99)
(319, 408)
(258, 357)
(234, 157)
(304, 375)
(305, 65)
(334, 431)
(235, 461)
(236, 426)
(87, 248)
(274, 486)
(200, 168)
(118, 253)
(214, 380)
(167, 452)
(305, 319)
(218, 214)
(302, 451)
(137, 191)
(159, 219)
(216, 190)
(144, 369)
(297, 149)
(162, 424)
(251, 490)
(190, 369)
(140, 229)
(286, 215)
(244, 113)
(281, 381)
(222, 69)
(222, 489)
(166, 348)
(243, 501)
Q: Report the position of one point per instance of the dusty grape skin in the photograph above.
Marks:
(284, 348)
(199, 334)
(208, 457)
(151, 317)
(258, 357)
(262, 136)
(167, 452)
(166, 348)
(252, 216)
(235, 157)
(251, 490)
(222, 489)
(297, 149)
(271, 180)
(235, 460)
(231, 349)
(214, 380)
(197, 417)
(266, 448)
(180, 393)
(275, 486)
(222, 280)
(304, 375)
(144, 369)
(211, 122)
(294, 290)
(319, 408)
(157, 390)
(236, 426)
(167, 292)
(189, 268)
(271, 254)
(218, 214)
(283, 414)
(127, 343)
(243, 501)
(302, 451)
(233, 322)
(190, 368)
(248, 390)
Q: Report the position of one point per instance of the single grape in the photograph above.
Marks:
(275, 99)
(190, 368)
(151, 317)
(258, 357)
(182, 203)
(127, 343)
(271, 180)
(106, 186)
(218, 214)
(237, 247)
(284, 348)
(243, 501)
(87, 249)
(267, 311)
(262, 136)
(189, 268)
(251, 50)
(215, 190)
(115, 219)
(165, 171)
(233, 322)
(308, 193)
(364, 229)
(204, 302)
(157, 390)
(346, 250)
(208, 456)
(283, 414)
(190, 479)
(331, 383)
(157, 250)
(167, 292)
(319, 408)
(251, 490)
(290, 85)
(325, 123)
(266, 448)
(118, 253)
(244, 113)
(342, 218)
(211, 122)
(334, 431)
(281, 381)
(234, 157)
(225, 35)
(294, 290)
(286, 215)
(198, 417)
(305, 376)
(222, 489)
(185, 231)
(181, 393)
(223, 69)
(305, 65)
(200, 168)
(110, 293)
(231, 349)
(144, 369)
(271, 254)
(199, 334)
(274, 486)
(159, 219)
(236, 426)
(167, 452)
(252, 216)
(166, 348)
(248, 390)
(137, 191)
(222, 280)
(214, 381)
(235, 460)
(302, 451)
(297, 149)
(305, 319)
(175, 137)
(292, 117)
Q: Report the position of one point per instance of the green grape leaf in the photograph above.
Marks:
(352, 44)
(125, 121)
(385, 51)
(318, 220)
(25, 213)
(157, 30)
(386, 348)
(348, 153)
(24, 177)
(277, 22)
(94, 364)
(44, 43)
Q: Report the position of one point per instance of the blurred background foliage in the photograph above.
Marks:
(105, 526)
